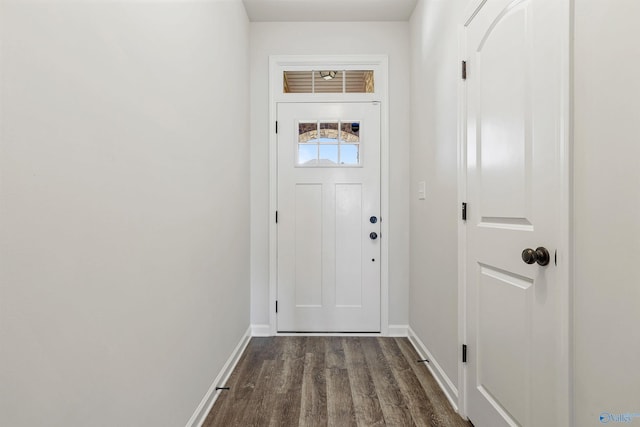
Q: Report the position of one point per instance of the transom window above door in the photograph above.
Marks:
(328, 143)
(328, 81)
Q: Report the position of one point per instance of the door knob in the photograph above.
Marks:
(373, 235)
(540, 255)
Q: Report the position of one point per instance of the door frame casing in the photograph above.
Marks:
(380, 65)
(564, 391)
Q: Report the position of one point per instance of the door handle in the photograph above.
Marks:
(373, 235)
(540, 255)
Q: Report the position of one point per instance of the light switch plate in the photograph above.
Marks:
(422, 190)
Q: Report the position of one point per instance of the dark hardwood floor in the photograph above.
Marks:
(335, 381)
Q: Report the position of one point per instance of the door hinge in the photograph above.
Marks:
(464, 353)
(464, 211)
(276, 306)
(276, 217)
(276, 126)
(464, 70)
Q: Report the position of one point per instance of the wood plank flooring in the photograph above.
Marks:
(331, 381)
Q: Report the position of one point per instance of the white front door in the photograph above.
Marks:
(514, 131)
(328, 217)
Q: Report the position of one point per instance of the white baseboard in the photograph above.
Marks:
(210, 397)
(393, 331)
(447, 386)
(398, 330)
(260, 331)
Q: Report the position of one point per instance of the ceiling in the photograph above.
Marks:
(328, 10)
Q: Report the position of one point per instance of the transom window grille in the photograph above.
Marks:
(328, 143)
(329, 81)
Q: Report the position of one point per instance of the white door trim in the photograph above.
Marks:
(564, 393)
(462, 231)
(378, 63)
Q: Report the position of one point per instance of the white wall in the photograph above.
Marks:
(124, 208)
(320, 38)
(606, 209)
(435, 71)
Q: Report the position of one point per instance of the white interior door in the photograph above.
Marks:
(328, 217)
(514, 99)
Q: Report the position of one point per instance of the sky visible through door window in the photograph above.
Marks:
(328, 143)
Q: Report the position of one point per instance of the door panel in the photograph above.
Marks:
(328, 188)
(308, 245)
(349, 232)
(513, 136)
(503, 353)
(505, 134)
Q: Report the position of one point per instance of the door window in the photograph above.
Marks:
(328, 143)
